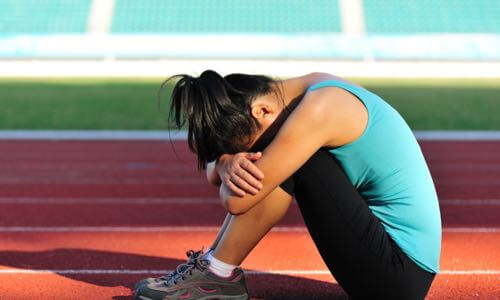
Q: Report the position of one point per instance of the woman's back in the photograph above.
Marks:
(388, 169)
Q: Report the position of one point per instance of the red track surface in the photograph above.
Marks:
(134, 185)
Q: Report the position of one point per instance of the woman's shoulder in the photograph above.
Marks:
(332, 100)
(346, 115)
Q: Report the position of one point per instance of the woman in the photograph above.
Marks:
(348, 158)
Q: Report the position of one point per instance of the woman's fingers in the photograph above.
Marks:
(241, 175)
(249, 178)
(251, 168)
(235, 188)
(243, 182)
(253, 155)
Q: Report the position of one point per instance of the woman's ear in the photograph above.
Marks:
(263, 109)
(258, 111)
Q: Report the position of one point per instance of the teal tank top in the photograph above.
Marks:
(388, 169)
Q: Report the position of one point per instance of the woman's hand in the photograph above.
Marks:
(239, 173)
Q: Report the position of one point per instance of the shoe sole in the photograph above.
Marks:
(239, 297)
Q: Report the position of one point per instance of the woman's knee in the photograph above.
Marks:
(270, 209)
(321, 162)
(320, 159)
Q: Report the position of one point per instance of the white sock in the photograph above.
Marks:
(218, 267)
(207, 253)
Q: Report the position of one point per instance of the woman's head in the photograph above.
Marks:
(221, 112)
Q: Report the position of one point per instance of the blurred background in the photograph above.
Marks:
(94, 196)
(98, 64)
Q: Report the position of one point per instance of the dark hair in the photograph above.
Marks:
(217, 111)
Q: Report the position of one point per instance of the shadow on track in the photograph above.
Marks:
(269, 286)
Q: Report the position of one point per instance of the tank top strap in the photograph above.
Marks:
(364, 95)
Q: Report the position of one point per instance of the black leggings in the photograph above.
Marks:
(359, 253)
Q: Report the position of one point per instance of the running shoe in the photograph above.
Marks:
(191, 255)
(195, 281)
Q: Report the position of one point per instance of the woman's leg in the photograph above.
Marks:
(237, 237)
(240, 233)
(364, 260)
(222, 229)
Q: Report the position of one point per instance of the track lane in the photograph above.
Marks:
(152, 170)
(168, 169)
(269, 287)
(161, 251)
(148, 250)
(190, 214)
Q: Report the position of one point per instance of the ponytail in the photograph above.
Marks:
(217, 111)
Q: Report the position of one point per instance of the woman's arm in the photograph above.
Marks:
(318, 77)
(291, 88)
(237, 171)
(311, 126)
(240, 174)
(212, 175)
(294, 88)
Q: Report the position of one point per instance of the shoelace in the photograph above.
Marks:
(191, 255)
(183, 270)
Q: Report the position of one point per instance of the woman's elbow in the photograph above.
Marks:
(235, 207)
(231, 203)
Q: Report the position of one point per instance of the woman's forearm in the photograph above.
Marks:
(292, 88)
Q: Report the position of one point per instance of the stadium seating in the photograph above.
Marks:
(317, 29)
(212, 16)
(43, 16)
(256, 16)
(432, 16)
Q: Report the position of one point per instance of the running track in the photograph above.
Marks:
(87, 219)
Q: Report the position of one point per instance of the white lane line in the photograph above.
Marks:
(131, 272)
(85, 135)
(452, 135)
(117, 201)
(197, 182)
(249, 272)
(187, 200)
(57, 229)
(469, 272)
(471, 229)
(470, 202)
(132, 229)
(165, 135)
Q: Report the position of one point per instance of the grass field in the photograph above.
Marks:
(429, 104)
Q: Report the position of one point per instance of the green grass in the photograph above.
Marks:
(443, 103)
(81, 104)
(428, 104)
